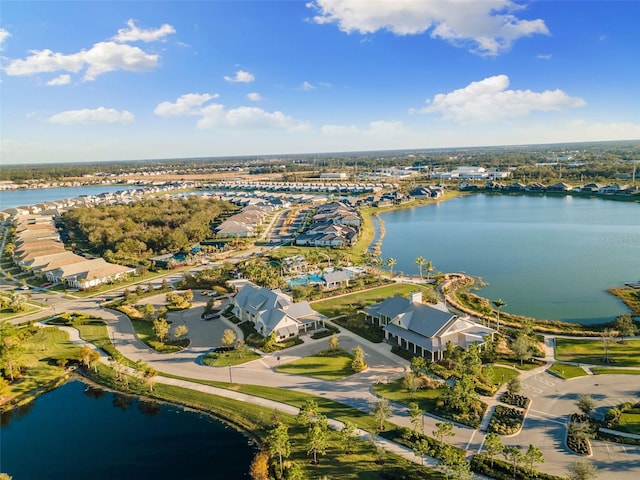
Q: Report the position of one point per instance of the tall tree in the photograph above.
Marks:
(533, 456)
(309, 413)
(586, 404)
(443, 432)
(347, 437)
(358, 364)
(381, 411)
(416, 416)
(318, 438)
(607, 336)
(421, 448)
(514, 456)
(334, 343)
(582, 470)
(429, 268)
(161, 329)
(522, 348)
(420, 261)
(499, 303)
(410, 382)
(278, 443)
(391, 262)
(625, 326)
(493, 445)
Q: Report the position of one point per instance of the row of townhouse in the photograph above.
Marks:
(334, 224)
(127, 196)
(38, 249)
(322, 187)
(245, 223)
(284, 200)
(560, 187)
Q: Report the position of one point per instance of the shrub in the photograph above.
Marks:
(515, 399)
(506, 420)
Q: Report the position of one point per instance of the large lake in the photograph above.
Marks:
(71, 434)
(18, 198)
(548, 257)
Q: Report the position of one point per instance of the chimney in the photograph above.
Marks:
(415, 297)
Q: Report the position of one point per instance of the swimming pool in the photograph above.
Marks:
(305, 280)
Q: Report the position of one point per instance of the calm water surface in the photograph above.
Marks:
(18, 198)
(68, 434)
(547, 257)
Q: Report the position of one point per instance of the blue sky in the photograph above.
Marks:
(127, 80)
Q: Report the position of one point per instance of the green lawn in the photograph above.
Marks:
(629, 422)
(502, 375)
(144, 331)
(213, 359)
(614, 371)
(526, 366)
(564, 370)
(591, 351)
(41, 352)
(324, 367)
(350, 304)
(360, 465)
(396, 392)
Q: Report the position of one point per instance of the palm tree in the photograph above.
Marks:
(391, 263)
(429, 267)
(499, 303)
(420, 261)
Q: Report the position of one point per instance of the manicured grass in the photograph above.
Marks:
(564, 370)
(502, 375)
(629, 422)
(396, 392)
(591, 352)
(42, 350)
(144, 331)
(213, 359)
(526, 366)
(614, 371)
(350, 304)
(359, 465)
(324, 367)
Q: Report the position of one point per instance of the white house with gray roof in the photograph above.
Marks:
(272, 311)
(424, 329)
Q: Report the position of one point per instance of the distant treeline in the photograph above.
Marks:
(599, 159)
(125, 233)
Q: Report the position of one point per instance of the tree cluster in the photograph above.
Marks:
(142, 229)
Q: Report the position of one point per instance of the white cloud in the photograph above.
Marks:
(107, 56)
(254, 96)
(3, 36)
(91, 116)
(134, 34)
(216, 115)
(60, 80)
(544, 56)
(306, 86)
(188, 104)
(45, 61)
(487, 27)
(240, 77)
(489, 100)
(102, 57)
